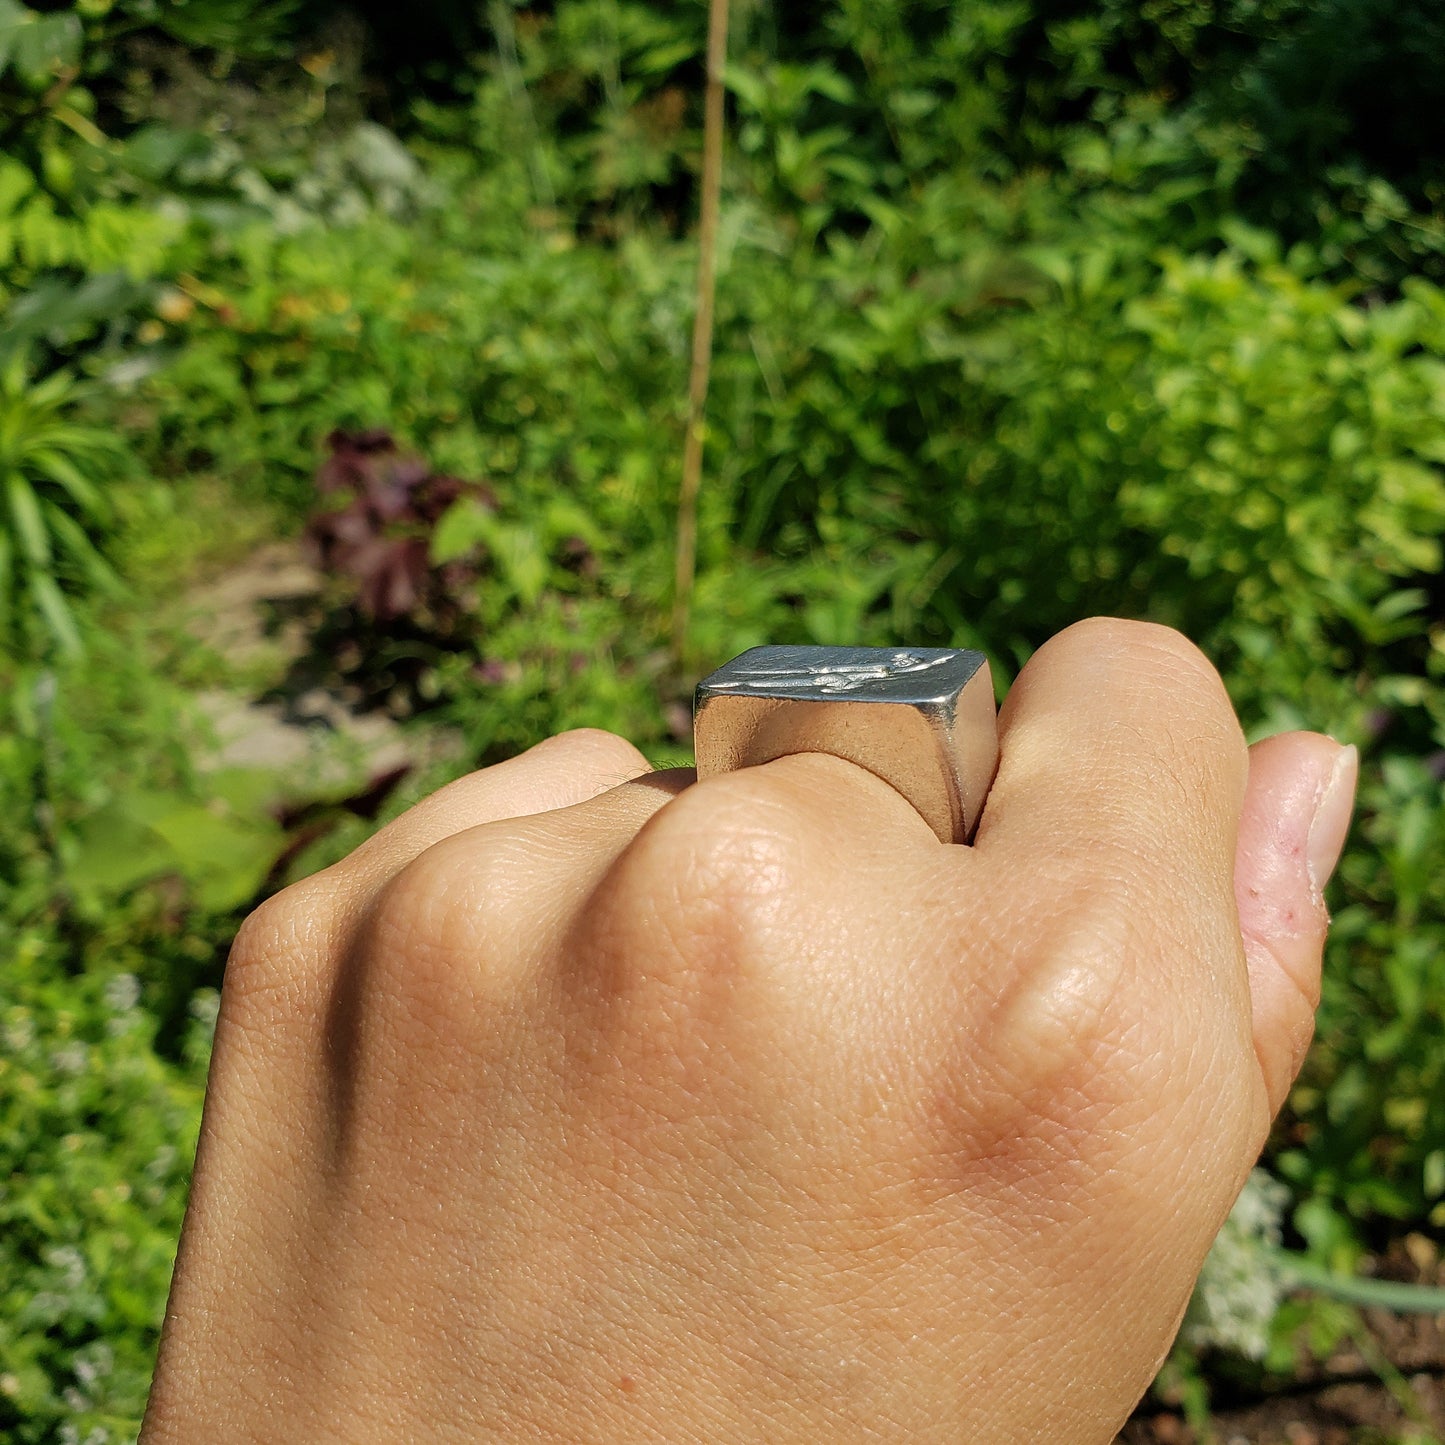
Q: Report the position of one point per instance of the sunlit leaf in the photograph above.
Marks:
(59, 468)
(29, 525)
(78, 544)
(56, 610)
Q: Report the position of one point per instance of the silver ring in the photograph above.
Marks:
(920, 718)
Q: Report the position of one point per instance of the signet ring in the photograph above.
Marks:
(920, 718)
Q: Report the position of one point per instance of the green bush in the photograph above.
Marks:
(1217, 441)
(1365, 1147)
(96, 1137)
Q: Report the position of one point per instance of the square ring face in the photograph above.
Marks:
(922, 719)
(912, 675)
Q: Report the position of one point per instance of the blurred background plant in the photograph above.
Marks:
(54, 471)
(1027, 309)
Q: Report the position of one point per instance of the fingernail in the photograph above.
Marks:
(1331, 821)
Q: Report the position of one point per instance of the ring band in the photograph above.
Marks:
(920, 718)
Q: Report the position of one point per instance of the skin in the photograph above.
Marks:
(586, 1105)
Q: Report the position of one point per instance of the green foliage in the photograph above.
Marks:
(592, 109)
(1232, 450)
(1367, 1146)
(1220, 442)
(120, 873)
(35, 48)
(54, 472)
(235, 27)
(293, 148)
(57, 66)
(116, 177)
(79, 734)
(96, 1136)
(222, 845)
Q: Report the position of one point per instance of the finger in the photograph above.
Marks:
(477, 912)
(557, 773)
(1296, 814)
(323, 911)
(802, 822)
(1106, 853)
(783, 895)
(1118, 735)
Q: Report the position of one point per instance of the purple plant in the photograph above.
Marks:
(379, 540)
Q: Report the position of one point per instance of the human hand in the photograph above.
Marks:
(583, 1105)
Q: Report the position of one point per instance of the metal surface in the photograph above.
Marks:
(920, 718)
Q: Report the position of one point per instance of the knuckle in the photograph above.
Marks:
(598, 751)
(449, 933)
(701, 899)
(411, 904)
(1090, 1047)
(1166, 657)
(728, 846)
(280, 959)
(1049, 1040)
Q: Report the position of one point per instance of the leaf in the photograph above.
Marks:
(523, 561)
(155, 150)
(29, 525)
(47, 46)
(1434, 1174)
(832, 84)
(224, 857)
(81, 125)
(389, 572)
(747, 85)
(57, 305)
(1401, 603)
(58, 468)
(56, 611)
(48, 393)
(145, 834)
(115, 850)
(82, 549)
(465, 524)
(14, 18)
(665, 56)
(16, 181)
(565, 517)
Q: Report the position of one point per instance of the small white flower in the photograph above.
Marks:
(19, 1032)
(70, 1059)
(70, 1262)
(205, 1007)
(122, 992)
(163, 1162)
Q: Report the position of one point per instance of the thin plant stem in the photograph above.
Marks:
(712, 156)
(505, 27)
(1381, 1293)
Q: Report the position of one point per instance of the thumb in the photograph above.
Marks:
(1297, 810)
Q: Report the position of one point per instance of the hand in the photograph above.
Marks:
(587, 1105)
